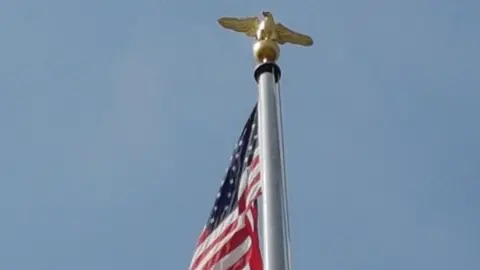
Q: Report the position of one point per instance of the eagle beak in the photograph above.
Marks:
(264, 13)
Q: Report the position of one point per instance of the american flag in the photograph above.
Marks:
(229, 240)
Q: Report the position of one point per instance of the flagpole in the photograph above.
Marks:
(284, 180)
(275, 253)
(268, 34)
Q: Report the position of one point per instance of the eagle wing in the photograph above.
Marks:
(246, 25)
(286, 35)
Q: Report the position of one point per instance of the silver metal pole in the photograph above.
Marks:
(286, 217)
(267, 75)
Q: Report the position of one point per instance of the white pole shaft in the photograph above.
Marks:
(286, 214)
(275, 249)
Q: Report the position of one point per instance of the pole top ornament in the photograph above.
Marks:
(267, 33)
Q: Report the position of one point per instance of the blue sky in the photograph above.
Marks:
(118, 117)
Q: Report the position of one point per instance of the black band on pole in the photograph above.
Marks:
(270, 67)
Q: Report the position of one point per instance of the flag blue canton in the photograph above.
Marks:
(227, 196)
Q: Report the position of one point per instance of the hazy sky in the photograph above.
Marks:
(118, 118)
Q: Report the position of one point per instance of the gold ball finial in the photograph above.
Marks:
(266, 51)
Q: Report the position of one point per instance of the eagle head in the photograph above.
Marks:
(267, 14)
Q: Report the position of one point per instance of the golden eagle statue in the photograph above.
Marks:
(265, 29)
(267, 34)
